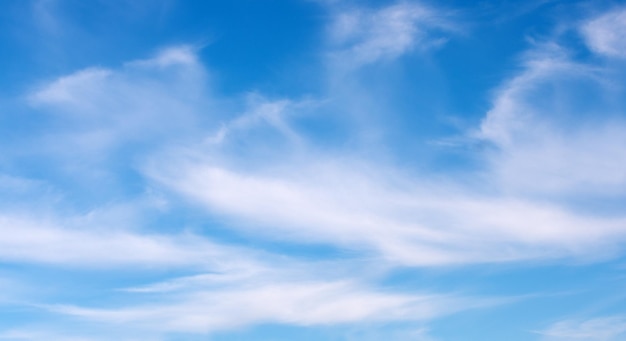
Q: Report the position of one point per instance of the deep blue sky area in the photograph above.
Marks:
(312, 170)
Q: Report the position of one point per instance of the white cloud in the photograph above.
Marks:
(361, 36)
(203, 307)
(183, 55)
(404, 220)
(606, 34)
(73, 88)
(612, 328)
(511, 113)
(307, 195)
(86, 92)
(272, 289)
(549, 139)
(27, 240)
(154, 100)
(260, 111)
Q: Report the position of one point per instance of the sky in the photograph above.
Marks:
(312, 170)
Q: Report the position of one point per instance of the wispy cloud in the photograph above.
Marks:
(361, 36)
(548, 142)
(261, 111)
(28, 240)
(151, 100)
(606, 33)
(405, 220)
(303, 304)
(610, 328)
(202, 304)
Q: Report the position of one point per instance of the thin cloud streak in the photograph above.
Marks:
(28, 240)
(206, 309)
(611, 328)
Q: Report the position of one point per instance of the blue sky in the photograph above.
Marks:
(312, 170)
